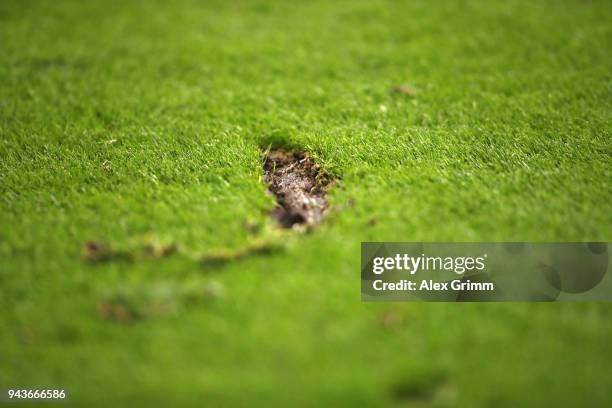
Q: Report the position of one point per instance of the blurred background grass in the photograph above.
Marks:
(141, 125)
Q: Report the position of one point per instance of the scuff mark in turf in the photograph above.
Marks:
(299, 185)
(219, 257)
(424, 388)
(96, 251)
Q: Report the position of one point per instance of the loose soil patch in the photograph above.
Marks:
(299, 185)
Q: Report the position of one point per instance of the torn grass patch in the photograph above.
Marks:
(299, 185)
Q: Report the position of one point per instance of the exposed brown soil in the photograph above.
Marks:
(299, 185)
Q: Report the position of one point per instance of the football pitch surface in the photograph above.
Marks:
(139, 264)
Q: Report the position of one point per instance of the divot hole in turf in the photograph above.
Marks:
(299, 185)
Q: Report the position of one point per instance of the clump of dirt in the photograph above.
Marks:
(299, 185)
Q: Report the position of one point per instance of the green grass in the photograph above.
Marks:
(137, 121)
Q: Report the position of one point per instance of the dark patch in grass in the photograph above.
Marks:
(418, 388)
(94, 251)
(299, 185)
(404, 90)
(100, 251)
(220, 257)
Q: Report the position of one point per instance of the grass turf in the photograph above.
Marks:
(135, 121)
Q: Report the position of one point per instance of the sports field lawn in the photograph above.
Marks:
(140, 127)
